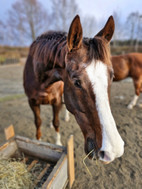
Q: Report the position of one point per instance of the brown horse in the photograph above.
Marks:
(84, 65)
(129, 65)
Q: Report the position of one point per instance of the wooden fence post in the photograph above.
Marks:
(70, 154)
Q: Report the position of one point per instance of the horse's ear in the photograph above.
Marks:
(75, 34)
(108, 30)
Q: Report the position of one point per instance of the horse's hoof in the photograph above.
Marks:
(130, 106)
(59, 143)
(67, 116)
(38, 139)
(67, 119)
(51, 125)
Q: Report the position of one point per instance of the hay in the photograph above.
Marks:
(14, 175)
(85, 163)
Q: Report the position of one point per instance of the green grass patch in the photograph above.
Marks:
(12, 97)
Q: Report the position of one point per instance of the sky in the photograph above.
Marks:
(105, 8)
(101, 9)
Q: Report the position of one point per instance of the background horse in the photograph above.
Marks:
(129, 65)
(84, 65)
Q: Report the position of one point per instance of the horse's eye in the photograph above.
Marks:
(77, 83)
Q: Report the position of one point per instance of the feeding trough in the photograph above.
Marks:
(55, 163)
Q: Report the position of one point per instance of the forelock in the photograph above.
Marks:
(98, 49)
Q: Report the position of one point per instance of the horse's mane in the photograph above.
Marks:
(46, 42)
(49, 49)
(51, 35)
(47, 52)
(56, 40)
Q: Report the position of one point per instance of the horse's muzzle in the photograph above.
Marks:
(94, 153)
(91, 149)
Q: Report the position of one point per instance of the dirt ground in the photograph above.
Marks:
(125, 172)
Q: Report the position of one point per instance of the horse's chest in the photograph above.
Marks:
(47, 98)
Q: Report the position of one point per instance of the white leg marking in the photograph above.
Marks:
(67, 116)
(133, 102)
(112, 143)
(58, 139)
(51, 125)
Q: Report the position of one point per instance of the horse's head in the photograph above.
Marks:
(88, 78)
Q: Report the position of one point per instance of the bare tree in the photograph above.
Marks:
(139, 31)
(63, 12)
(1, 32)
(132, 23)
(26, 20)
(89, 24)
(119, 32)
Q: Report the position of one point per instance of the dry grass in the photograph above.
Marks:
(16, 52)
(15, 175)
(123, 50)
(12, 97)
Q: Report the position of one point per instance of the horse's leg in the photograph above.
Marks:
(56, 110)
(140, 105)
(133, 102)
(36, 110)
(67, 116)
(137, 85)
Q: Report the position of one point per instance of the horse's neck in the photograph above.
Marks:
(55, 51)
(50, 69)
(59, 56)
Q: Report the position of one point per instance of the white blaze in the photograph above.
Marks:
(112, 143)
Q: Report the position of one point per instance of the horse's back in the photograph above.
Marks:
(127, 65)
(120, 67)
(136, 58)
(136, 65)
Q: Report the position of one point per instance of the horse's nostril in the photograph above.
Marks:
(102, 154)
(105, 156)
